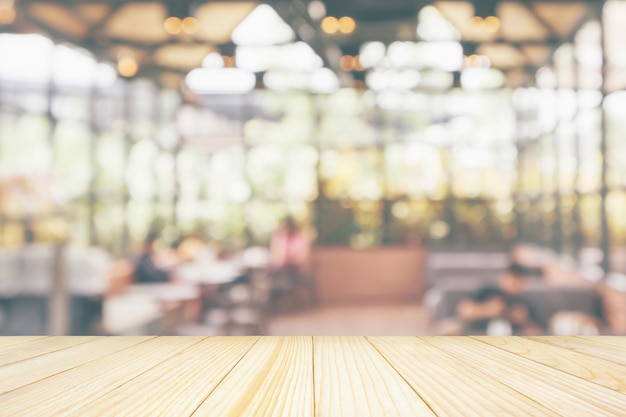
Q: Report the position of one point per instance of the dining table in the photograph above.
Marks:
(311, 376)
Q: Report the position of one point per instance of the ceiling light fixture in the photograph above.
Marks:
(180, 18)
(330, 25)
(347, 25)
(486, 15)
(127, 65)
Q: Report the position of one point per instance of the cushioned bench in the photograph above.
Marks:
(544, 299)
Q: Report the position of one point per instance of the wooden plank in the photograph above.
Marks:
(562, 393)
(449, 386)
(619, 342)
(26, 372)
(177, 386)
(590, 347)
(69, 392)
(40, 347)
(6, 341)
(353, 379)
(598, 371)
(274, 379)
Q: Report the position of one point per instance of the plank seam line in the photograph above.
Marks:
(313, 375)
(592, 353)
(601, 341)
(551, 367)
(486, 375)
(155, 365)
(48, 352)
(77, 366)
(24, 341)
(400, 375)
(225, 375)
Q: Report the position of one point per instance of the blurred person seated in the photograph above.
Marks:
(496, 310)
(154, 266)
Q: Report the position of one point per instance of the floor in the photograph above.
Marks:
(362, 320)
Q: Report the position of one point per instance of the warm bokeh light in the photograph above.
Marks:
(330, 25)
(173, 25)
(190, 25)
(492, 24)
(127, 67)
(347, 63)
(478, 22)
(347, 25)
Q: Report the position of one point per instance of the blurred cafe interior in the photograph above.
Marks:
(353, 167)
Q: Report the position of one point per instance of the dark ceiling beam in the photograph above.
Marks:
(528, 5)
(590, 15)
(101, 24)
(294, 13)
(551, 42)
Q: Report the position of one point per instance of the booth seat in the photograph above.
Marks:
(544, 299)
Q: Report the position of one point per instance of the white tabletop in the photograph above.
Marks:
(213, 273)
(165, 291)
(129, 311)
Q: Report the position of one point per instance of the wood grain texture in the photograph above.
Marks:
(562, 393)
(619, 342)
(20, 374)
(449, 386)
(39, 347)
(178, 386)
(274, 379)
(596, 370)
(590, 347)
(69, 392)
(17, 340)
(352, 379)
(312, 376)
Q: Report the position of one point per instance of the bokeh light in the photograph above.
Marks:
(190, 25)
(330, 25)
(347, 25)
(172, 25)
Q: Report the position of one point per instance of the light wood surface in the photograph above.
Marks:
(308, 376)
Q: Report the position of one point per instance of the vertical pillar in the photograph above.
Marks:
(450, 200)
(318, 204)
(127, 142)
(557, 229)
(605, 236)
(58, 299)
(577, 243)
(91, 197)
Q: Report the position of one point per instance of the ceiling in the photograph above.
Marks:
(530, 30)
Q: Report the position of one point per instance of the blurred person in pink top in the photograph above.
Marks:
(290, 248)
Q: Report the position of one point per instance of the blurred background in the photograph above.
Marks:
(310, 167)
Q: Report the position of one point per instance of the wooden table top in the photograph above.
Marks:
(312, 376)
